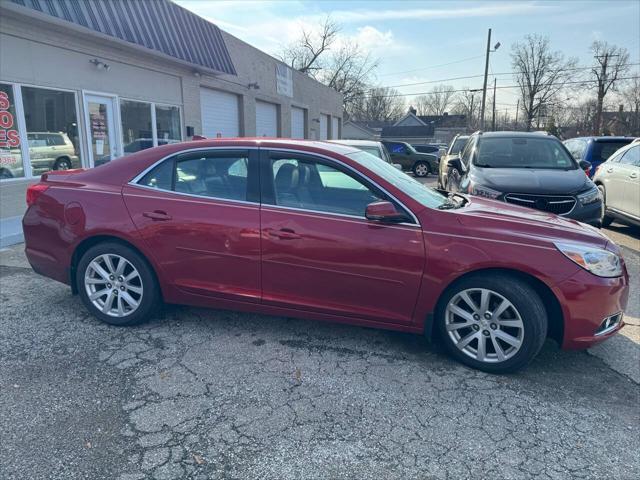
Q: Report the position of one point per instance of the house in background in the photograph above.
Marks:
(354, 130)
(414, 128)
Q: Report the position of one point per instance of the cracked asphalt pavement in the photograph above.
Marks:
(215, 394)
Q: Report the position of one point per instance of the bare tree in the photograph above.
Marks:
(540, 74)
(348, 71)
(306, 53)
(631, 96)
(341, 65)
(611, 64)
(380, 104)
(436, 102)
(467, 103)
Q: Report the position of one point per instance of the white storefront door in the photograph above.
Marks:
(100, 125)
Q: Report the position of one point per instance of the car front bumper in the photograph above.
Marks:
(591, 213)
(586, 301)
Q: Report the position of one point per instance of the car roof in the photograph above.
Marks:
(506, 134)
(604, 138)
(268, 142)
(363, 143)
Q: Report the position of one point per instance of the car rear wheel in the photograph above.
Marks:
(117, 285)
(62, 164)
(494, 323)
(421, 169)
(606, 220)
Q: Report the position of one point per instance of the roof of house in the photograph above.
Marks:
(361, 126)
(439, 121)
(408, 131)
(158, 25)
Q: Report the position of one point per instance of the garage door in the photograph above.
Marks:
(324, 127)
(220, 116)
(297, 122)
(266, 119)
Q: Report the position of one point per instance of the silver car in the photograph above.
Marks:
(619, 182)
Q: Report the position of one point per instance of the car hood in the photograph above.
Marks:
(536, 181)
(510, 223)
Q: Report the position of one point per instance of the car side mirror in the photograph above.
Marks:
(586, 166)
(384, 211)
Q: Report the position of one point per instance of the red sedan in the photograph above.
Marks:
(323, 231)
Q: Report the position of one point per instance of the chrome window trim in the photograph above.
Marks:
(134, 181)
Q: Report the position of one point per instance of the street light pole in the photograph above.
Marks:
(484, 87)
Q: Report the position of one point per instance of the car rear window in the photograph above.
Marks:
(604, 149)
(522, 152)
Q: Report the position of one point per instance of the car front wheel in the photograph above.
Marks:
(62, 164)
(494, 323)
(421, 169)
(117, 285)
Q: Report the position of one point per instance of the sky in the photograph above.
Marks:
(430, 42)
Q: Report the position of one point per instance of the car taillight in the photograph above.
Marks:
(34, 191)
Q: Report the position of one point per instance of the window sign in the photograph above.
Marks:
(11, 165)
(284, 80)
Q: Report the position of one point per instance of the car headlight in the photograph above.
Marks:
(481, 191)
(590, 196)
(598, 261)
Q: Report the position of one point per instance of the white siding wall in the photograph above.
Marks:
(266, 119)
(335, 128)
(297, 122)
(219, 113)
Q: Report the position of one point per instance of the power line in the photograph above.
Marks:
(499, 88)
(482, 75)
(432, 66)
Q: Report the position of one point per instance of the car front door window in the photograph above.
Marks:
(311, 185)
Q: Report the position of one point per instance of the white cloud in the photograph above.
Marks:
(370, 38)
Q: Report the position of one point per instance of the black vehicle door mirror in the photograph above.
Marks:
(456, 163)
(584, 165)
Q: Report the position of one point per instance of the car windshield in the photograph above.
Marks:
(411, 187)
(522, 152)
(458, 144)
(604, 149)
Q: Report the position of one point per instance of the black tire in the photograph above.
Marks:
(527, 302)
(605, 220)
(62, 163)
(151, 299)
(453, 180)
(420, 171)
(5, 173)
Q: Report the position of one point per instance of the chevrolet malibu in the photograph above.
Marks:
(327, 232)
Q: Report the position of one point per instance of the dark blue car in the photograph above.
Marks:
(595, 150)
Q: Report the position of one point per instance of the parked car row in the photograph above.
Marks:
(536, 170)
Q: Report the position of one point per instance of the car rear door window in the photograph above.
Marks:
(631, 157)
(214, 175)
(310, 185)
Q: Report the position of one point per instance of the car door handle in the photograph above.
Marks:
(609, 170)
(157, 215)
(284, 234)
(633, 175)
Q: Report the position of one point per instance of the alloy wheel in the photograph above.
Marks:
(113, 285)
(422, 170)
(484, 325)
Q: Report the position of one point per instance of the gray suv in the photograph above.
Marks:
(530, 170)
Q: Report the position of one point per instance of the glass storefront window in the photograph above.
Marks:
(52, 129)
(11, 165)
(137, 127)
(168, 124)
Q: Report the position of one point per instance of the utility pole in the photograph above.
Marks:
(517, 110)
(493, 117)
(486, 73)
(484, 88)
